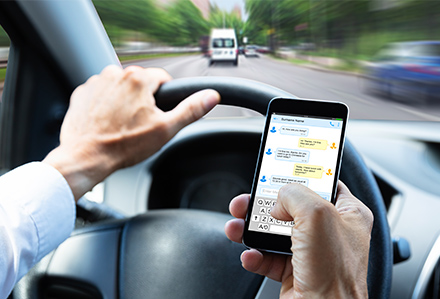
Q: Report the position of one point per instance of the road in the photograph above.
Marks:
(302, 82)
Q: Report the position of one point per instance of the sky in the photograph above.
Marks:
(228, 5)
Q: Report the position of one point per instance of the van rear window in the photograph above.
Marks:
(223, 43)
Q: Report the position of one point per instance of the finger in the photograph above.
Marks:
(110, 71)
(271, 265)
(156, 77)
(349, 206)
(151, 78)
(297, 201)
(192, 109)
(239, 205)
(343, 190)
(234, 230)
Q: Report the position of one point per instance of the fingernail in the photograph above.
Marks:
(211, 98)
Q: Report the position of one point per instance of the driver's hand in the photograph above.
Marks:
(113, 122)
(330, 244)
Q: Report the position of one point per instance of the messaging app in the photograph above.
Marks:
(299, 149)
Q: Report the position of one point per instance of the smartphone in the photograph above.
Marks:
(302, 143)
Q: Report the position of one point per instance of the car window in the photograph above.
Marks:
(426, 50)
(355, 53)
(4, 51)
(223, 43)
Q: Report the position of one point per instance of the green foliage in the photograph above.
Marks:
(221, 19)
(4, 38)
(343, 28)
(353, 29)
(181, 23)
(2, 74)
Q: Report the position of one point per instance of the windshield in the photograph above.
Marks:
(4, 51)
(331, 50)
(222, 43)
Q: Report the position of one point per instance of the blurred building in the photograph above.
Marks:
(236, 11)
(202, 5)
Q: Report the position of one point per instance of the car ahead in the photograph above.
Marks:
(223, 46)
(263, 49)
(406, 71)
(169, 242)
(251, 51)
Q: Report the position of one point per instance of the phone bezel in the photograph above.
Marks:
(313, 108)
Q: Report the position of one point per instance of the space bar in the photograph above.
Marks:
(287, 230)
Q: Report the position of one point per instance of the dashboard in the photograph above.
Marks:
(213, 160)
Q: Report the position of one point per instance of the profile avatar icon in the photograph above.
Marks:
(263, 179)
(333, 146)
(273, 130)
(269, 152)
(329, 172)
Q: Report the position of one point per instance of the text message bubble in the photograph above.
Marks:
(294, 131)
(308, 171)
(312, 143)
(282, 180)
(292, 155)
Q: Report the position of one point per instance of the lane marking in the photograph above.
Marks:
(424, 115)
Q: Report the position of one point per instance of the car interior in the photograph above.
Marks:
(158, 229)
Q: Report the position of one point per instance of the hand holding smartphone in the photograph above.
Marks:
(302, 143)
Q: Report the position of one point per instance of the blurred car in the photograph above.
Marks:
(241, 50)
(263, 50)
(406, 71)
(251, 51)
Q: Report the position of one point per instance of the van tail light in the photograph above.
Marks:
(236, 51)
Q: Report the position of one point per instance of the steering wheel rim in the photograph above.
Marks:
(237, 92)
(354, 172)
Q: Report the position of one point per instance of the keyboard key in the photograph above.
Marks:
(281, 229)
(264, 227)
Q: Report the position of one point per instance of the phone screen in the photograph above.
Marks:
(299, 149)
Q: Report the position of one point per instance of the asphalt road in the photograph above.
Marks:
(301, 81)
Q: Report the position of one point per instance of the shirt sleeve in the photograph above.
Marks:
(37, 213)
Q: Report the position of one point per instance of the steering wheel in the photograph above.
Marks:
(184, 253)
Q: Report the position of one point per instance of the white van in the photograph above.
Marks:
(223, 46)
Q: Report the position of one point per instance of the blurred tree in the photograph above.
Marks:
(4, 38)
(221, 19)
(182, 24)
(120, 15)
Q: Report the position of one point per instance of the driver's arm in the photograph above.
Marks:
(112, 122)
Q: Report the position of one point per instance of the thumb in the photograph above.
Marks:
(192, 109)
(296, 202)
(352, 209)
